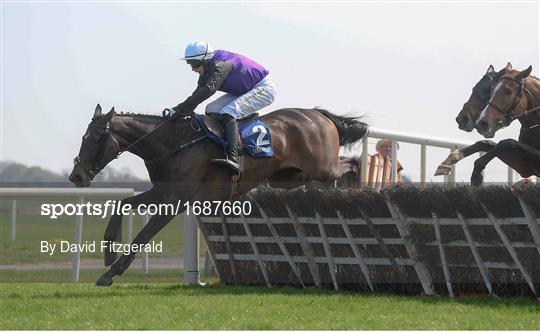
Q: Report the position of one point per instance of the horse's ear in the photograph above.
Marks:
(524, 73)
(502, 72)
(109, 115)
(490, 69)
(97, 111)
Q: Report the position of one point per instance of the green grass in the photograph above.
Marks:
(171, 306)
(33, 228)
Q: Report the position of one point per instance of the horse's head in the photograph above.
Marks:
(480, 95)
(507, 103)
(98, 148)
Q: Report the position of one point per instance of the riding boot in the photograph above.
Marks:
(233, 141)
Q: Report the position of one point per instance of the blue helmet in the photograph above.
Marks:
(199, 50)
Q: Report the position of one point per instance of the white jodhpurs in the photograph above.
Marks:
(262, 95)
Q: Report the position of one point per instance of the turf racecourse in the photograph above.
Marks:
(172, 306)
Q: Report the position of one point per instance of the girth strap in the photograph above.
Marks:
(235, 179)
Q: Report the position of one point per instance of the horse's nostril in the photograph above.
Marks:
(482, 125)
(75, 178)
(463, 120)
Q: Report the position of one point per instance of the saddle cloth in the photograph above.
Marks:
(254, 134)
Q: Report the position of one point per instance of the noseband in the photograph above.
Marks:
(103, 144)
(509, 113)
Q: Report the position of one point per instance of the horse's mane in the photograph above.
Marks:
(141, 115)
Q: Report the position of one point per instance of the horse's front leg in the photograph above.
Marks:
(519, 156)
(446, 166)
(113, 232)
(509, 151)
(154, 225)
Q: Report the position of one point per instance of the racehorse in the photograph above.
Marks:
(479, 97)
(513, 97)
(178, 156)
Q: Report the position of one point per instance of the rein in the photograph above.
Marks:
(120, 151)
(173, 151)
(526, 114)
(509, 113)
(105, 138)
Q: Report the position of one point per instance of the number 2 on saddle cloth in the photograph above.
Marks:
(256, 142)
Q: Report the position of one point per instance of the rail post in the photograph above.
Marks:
(191, 250)
(510, 179)
(129, 228)
(423, 164)
(76, 258)
(144, 256)
(13, 219)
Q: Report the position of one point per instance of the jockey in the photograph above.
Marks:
(247, 86)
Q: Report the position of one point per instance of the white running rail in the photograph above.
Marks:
(78, 194)
(422, 140)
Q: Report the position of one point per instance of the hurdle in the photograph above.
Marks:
(411, 240)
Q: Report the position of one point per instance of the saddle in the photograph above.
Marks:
(215, 126)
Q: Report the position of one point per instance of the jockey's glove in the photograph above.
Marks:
(179, 111)
(173, 114)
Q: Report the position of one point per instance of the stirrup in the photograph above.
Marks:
(228, 162)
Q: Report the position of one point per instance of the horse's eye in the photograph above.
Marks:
(508, 92)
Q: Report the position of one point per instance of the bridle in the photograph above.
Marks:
(105, 138)
(103, 143)
(476, 91)
(509, 113)
(478, 94)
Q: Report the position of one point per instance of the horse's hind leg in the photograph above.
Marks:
(455, 156)
(113, 232)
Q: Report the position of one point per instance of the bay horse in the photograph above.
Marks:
(177, 155)
(513, 97)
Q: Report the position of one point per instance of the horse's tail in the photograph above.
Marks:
(349, 128)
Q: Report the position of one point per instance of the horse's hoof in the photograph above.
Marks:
(443, 170)
(105, 281)
(110, 257)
